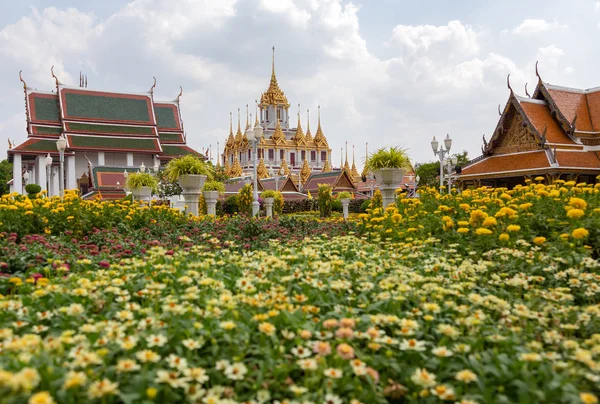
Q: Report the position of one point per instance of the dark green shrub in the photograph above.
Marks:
(230, 205)
(32, 190)
(336, 205)
(364, 206)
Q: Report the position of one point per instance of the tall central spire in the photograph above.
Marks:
(274, 95)
(273, 64)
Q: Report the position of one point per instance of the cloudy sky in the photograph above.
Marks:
(390, 72)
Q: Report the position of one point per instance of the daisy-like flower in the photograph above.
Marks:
(412, 345)
(103, 388)
(322, 348)
(127, 365)
(423, 378)
(444, 392)
(442, 352)
(222, 364)
(466, 376)
(301, 352)
(332, 399)
(147, 355)
(156, 340)
(227, 325)
(196, 374)
(171, 378)
(177, 362)
(298, 390)
(358, 367)
(236, 371)
(74, 379)
(192, 344)
(333, 373)
(43, 397)
(307, 364)
(345, 351)
(267, 328)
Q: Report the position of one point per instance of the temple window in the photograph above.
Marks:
(278, 113)
(271, 154)
(249, 154)
(281, 154)
(313, 155)
(303, 153)
(323, 155)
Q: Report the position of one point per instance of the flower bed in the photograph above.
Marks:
(168, 315)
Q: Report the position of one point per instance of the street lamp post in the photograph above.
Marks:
(441, 153)
(61, 145)
(48, 168)
(254, 135)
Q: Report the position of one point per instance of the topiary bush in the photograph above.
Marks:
(244, 200)
(32, 190)
(229, 206)
(324, 200)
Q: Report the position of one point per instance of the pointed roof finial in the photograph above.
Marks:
(247, 122)
(22, 81)
(256, 112)
(537, 73)
(508, 83)
(527, 92)
(53, 75)
(499, 113)
(180, 93)
(153, 86)
(230, 123)
(273, 63)
(239, 128)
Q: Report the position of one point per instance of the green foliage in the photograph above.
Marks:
(269, 193)
(429, 172)
(218, 173)
(189, 164)
(32, 190)
(336, 205)
(394, 157)
(365, 205)
(244, 201)
(377, 201)
(214, 186)
(324, 200)
(5, 176)
(278, 203)
(344, 195)
(230, 205)
(138, 180)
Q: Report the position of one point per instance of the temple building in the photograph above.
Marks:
(554, 133)
(107, 134)
(283, 149)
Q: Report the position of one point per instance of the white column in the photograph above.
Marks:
(40, 169)
(71, 179)
(17, 174)
(101, 158)
(156, 160)
(54, 181)
(129, 159)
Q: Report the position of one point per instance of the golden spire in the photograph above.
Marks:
(346, 166)
(364, 171)
(227, 168)
(261, 170)
(308, 135)
(247, 123)
(236, 169)
(305, 172)
(299, 136)
(354, 171)
(284, 167)
(320, 139)
(218, 156)
(238, 135)
(256, 112)
(326, 166)
(278, 136)
(230, 139)
(274, 95)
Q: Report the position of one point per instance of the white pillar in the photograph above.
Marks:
(40, 170)
(71, 178)
(54, 181)
(129, 159)
(101, 158)
(17, 174)
(156, 160)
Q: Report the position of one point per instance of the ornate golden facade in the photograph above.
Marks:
(282, 149)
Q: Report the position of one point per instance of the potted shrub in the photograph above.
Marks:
(344, 198)
(191, 173)
(33, 190)
(141, 185)
(211, 191)
(269, 197)
(388, 166)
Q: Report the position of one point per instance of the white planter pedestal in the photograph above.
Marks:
(345, 204)
(389, 180)
(191, 185)
(269, 206)
(210, 197)
(142, 193)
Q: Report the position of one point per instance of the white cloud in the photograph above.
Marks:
(532, 26)
(549, 57)
(415, 38)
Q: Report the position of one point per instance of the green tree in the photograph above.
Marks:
(5, 176)
(429, 173)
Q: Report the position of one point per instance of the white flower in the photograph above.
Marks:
(423, 378)
(197, 374)
(301, 351)
(156, 340)
(222, 364)
(334, 373)
(412, 345)
(177, 362)
(307, 364)
(237, 371)
(332, 399)
(442, 352)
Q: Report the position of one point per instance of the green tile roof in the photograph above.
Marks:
(165, 117)
(170, 137)
(45, 109)
(112, 129)
(106, 107)
(38, 145)
(111, 143)
(45, 130)
(170, 150)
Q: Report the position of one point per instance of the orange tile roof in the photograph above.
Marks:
(588, 159)
(508, 163)
(539, 115)
(593, 100)
(572, 103)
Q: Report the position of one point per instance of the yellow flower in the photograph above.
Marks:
(504, 237)
(151, 392)
(513, 228)
(539, 240)
(588, 398)
(578, 203)
(267, 328)
(489, 222)
(483, 231)
(463, 230)
(43, 397)
(580, 233)
(575, 213)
